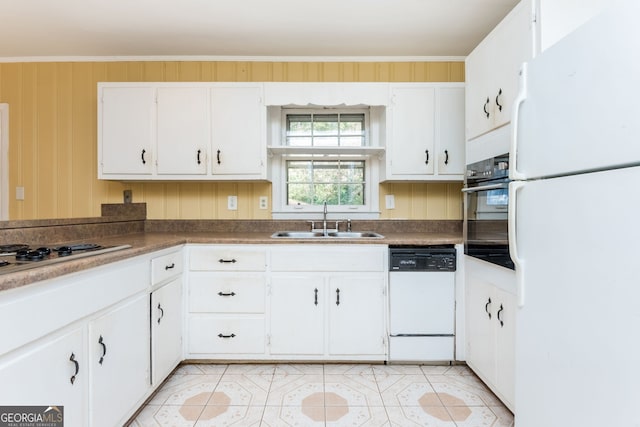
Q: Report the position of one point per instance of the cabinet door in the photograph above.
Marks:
(297, 314)
(481, 339)
(450, 131)
(513, 45)
(411, 148)
(53, 374)
(166, 329)
(357, 315)
(126, 130)
(492, 71)
(183, 130)
(239, 132)
(505, 324)
(119, 360)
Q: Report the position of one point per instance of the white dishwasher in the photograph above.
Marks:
(422, 303)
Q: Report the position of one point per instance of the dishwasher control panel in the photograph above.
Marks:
(425, 258)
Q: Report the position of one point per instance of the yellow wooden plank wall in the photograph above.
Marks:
(53, 137)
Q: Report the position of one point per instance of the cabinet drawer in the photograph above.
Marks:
(166, 267)
(329, 258)
(226, 293)
(226, 335)
(227, 259)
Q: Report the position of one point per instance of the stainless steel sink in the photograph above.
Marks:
(331, 234)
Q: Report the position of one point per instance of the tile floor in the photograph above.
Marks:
(306, 395)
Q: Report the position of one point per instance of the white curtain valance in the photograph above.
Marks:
(326, 94)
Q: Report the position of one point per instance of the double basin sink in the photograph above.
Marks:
(329, 235)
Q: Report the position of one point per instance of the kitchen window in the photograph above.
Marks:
(336, 182)
(324, 155)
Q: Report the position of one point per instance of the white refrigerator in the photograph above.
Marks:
(575, 227)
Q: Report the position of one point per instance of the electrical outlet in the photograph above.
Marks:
(264, 202)
(232, 203)
(390, 201)
(19, 193)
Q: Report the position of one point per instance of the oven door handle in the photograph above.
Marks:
(485, 187)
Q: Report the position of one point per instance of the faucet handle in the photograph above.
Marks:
(313, 225)
(348, 224)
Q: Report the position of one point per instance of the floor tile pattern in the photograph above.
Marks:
(335, 395)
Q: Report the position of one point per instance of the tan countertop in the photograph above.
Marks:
(143, 243)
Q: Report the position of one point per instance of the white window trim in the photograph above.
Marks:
(4, 161)
(371, 208)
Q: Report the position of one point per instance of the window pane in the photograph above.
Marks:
(299, 172)
(352, 194)
(351, 124)
(325, 192)
(326, 141)
(352, 141)
(326, 171)
(325, 124)
(299, 124)
(352, 172)
(299, 194)
(300, 141)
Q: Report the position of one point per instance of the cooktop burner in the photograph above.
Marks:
(9, 249)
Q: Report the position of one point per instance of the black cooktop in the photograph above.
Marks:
(17, 257)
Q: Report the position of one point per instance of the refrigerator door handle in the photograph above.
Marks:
(514, 174)
(514, 188)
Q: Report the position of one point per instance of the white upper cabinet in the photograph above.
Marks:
(425, 132)
(184, 130)
(239, 128)
(492, 70)
(181, 131)
(126, 134)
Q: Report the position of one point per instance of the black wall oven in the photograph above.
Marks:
(486, 234)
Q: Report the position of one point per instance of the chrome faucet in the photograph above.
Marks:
(324, 220)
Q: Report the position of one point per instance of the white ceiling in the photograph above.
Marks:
(246, 28)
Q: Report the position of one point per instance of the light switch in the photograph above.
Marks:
(390, 201)
(19, 193)
(232, 203)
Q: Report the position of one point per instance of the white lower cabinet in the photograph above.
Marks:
(226, 302)
(357, 315)
(297, 315)
(119, 362)
(491, 336)
(166, 329)
(328, 302)
(53, 373)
